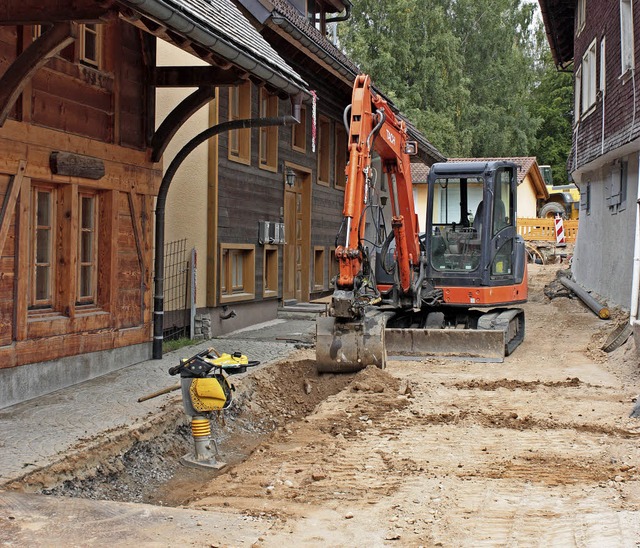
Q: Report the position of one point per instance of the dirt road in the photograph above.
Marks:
(536, 451)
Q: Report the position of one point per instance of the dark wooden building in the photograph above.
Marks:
(599, 41)
(246, 272)
(80, 169)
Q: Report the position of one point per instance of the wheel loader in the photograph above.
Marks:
(448, 291)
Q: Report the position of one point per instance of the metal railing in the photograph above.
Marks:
(177, 314)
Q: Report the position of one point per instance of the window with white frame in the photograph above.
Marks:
(581, 14)
(626, 35)
(90, 44)
(589, 77)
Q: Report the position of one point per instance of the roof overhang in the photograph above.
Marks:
(220, 29)
(559, 20)
(538, 182)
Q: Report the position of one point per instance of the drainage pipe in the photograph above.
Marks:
(161, 201)
(343, 17)
(635, 280)
(601, 311)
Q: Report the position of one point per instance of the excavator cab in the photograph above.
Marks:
(472, 239)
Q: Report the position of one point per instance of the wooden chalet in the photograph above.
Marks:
(599, 40)
(80, 166)
(276, 194)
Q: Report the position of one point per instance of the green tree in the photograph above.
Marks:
(474, 76)
(552, 103)
(409, 49)
(499, 54)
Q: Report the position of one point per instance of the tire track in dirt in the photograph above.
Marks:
(513, 422)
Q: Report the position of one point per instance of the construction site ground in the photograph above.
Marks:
(539, 450)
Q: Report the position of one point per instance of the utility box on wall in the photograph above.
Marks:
(270, 232)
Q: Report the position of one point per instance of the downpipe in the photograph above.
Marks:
(635, 281)
(161, 202)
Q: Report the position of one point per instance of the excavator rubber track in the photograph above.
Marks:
(347, 347)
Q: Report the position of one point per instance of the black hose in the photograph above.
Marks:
(383, 253)
(374, 132)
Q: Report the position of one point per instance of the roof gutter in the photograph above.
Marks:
(159, 10)
(339, 18)
(282, 22)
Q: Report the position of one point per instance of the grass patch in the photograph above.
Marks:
(176, 344)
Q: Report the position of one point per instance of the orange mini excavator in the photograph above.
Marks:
(442, 292)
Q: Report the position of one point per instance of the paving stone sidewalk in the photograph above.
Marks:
(36, 433)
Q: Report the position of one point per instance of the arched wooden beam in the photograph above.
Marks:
(14, 80)
(177, 117)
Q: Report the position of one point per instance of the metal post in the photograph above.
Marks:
(192, 285)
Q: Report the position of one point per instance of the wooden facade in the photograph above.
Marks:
(599, 40)
(311, 209)
(77, 249)
(316, 152)
(606, 95)
(80, 171)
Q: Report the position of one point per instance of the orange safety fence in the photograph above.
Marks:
(545, 229)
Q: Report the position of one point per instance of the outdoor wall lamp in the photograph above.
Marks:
(290, 176)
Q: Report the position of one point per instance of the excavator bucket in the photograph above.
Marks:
(349, 346)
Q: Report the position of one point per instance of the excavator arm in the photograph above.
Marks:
(374, 127)
(352, 336)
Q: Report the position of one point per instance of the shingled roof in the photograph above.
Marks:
(219, 27)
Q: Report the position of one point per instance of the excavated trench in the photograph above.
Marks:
(143, 464)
